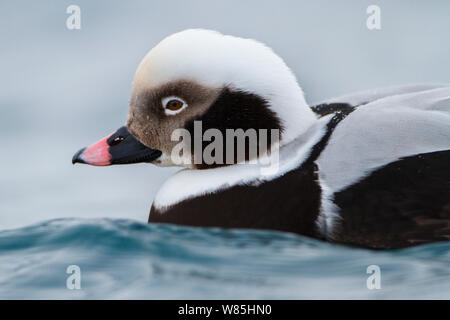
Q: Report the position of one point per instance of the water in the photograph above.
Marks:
(128, 259)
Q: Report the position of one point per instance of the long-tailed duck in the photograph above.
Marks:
(369, 169)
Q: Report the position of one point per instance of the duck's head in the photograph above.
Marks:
(223, 81)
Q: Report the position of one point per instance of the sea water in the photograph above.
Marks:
(125, 259)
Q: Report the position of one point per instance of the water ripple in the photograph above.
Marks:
(128, 259)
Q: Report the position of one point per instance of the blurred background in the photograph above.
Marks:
(63, 89)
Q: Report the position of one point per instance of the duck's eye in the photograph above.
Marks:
(173, 105)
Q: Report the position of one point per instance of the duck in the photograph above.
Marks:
(369, 169)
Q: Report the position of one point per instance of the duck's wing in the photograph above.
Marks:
(367, 96)
(404, 203)
(386, 171)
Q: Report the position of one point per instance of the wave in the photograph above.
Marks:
(125, 259)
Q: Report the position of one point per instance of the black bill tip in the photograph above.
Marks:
(77, 157)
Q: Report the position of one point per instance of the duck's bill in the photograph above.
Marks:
(120, 147)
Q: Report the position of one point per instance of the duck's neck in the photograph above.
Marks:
(191, 183)
(295, 114)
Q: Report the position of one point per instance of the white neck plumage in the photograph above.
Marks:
(200, 182)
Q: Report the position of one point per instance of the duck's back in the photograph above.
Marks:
(385, 174)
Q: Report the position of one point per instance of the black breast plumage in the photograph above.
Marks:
(289, 203)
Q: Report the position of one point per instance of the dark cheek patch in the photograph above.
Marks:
(236, 110)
